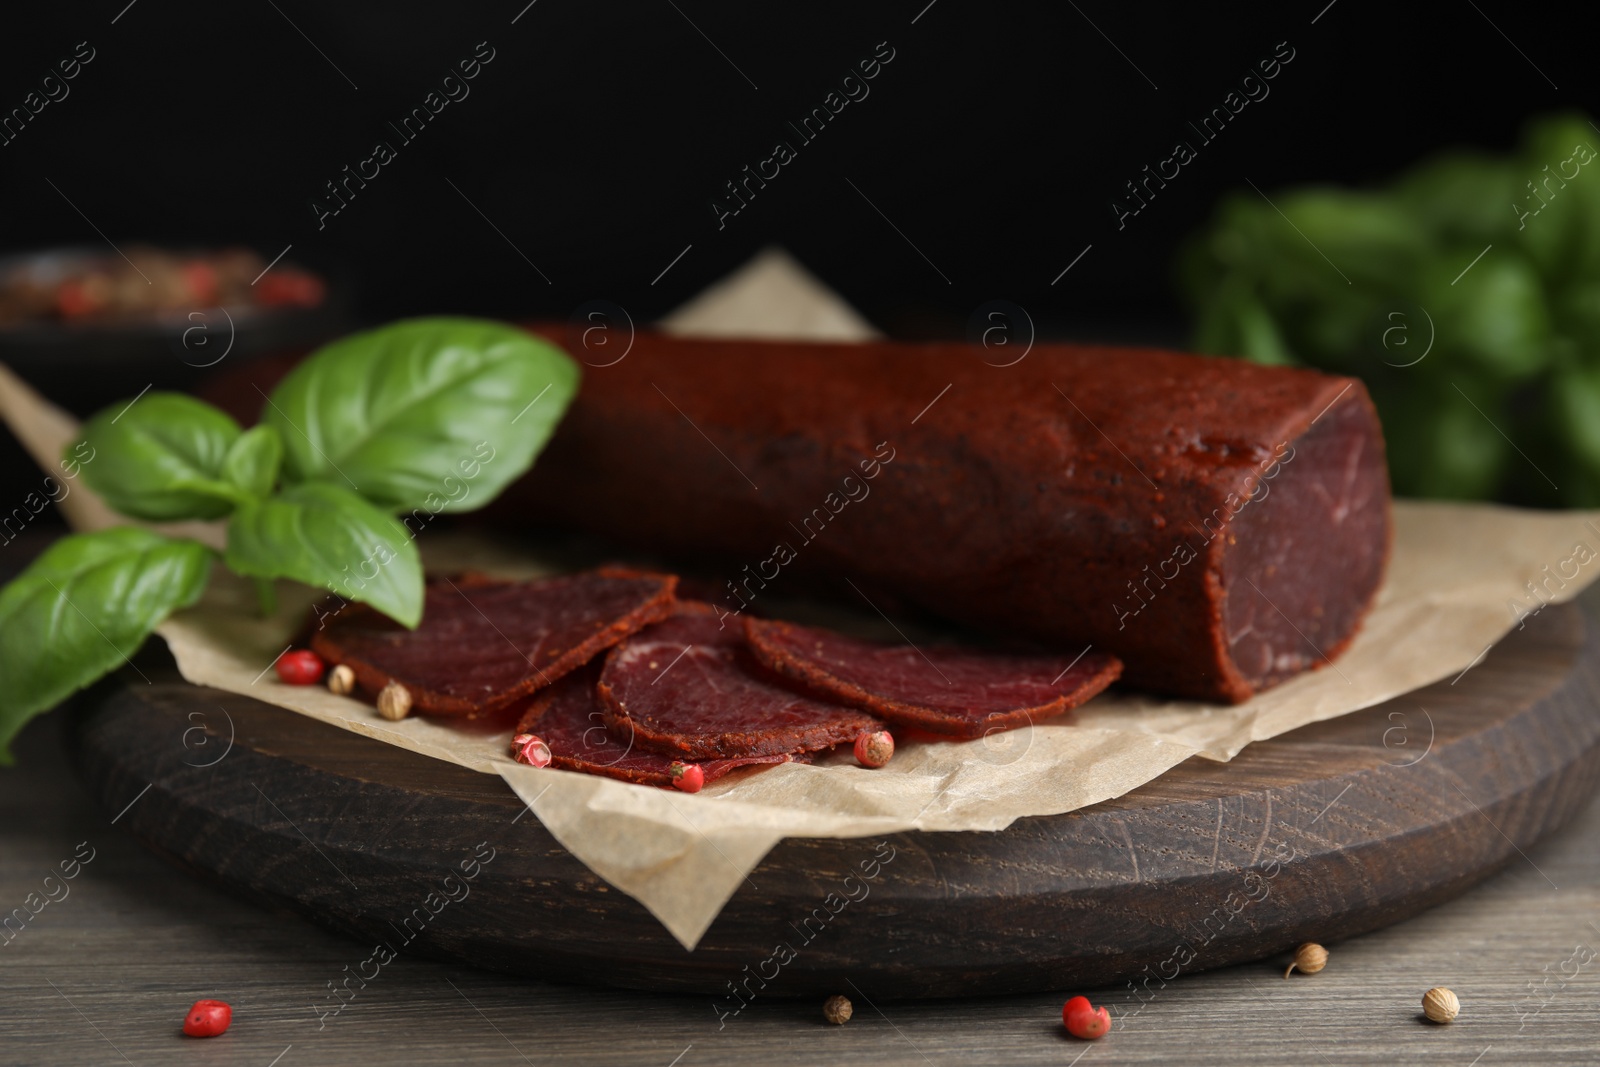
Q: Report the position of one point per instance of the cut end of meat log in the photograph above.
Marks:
(1326, 513)
(1285, 557)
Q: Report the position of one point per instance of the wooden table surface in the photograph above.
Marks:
(104, 973)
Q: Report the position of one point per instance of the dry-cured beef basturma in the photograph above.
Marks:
(689, 687)
(944, 689)
(615, 676)
(482, 644)
(1217, 525)
(570, 719)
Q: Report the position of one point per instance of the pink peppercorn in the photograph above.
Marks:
(207, 1018)
(688, 777)
(529, 749)
(874, 749)
(300, 667)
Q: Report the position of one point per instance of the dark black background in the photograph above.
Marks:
(598, 135)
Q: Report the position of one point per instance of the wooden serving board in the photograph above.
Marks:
(1372, 817)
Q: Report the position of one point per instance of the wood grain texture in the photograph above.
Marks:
(1174, 878)
(105, 975)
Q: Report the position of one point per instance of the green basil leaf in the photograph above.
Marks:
(1372, 240)
(1260, 339)
(1493, 318)
(82, 608)
(1554, 199)
(160, 458)
(1463, 197)
(1575, 403)
(253, 461)
(325, 535)
(441, 413)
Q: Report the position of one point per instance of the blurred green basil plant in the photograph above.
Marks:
(1466, 294)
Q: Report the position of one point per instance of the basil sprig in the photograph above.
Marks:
(162, 458)
(438, 414)
(392, 413)
(84, 607)
(325, 535)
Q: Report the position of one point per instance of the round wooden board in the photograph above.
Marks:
(1384, 812)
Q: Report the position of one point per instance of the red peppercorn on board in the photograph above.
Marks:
(482, 643)
(946, 689)
(1218, 525)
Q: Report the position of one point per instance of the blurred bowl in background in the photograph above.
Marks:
(155, 317)
(87, 328)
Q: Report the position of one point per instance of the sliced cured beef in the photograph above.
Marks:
(483, 644)
(943, 689)
(690, 688)
(570, 719)
(1216, 524)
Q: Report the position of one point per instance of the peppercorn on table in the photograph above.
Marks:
(102, 964)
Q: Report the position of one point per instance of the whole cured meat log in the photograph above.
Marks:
(1219, 526)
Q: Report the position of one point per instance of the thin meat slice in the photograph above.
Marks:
(689, 687)
(570, 719)
(483, 644)
(948, 690)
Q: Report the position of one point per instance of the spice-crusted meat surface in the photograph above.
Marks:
(691, 688)
(483, 644)
(1217, 525)
(958, 691)
(570, 719)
